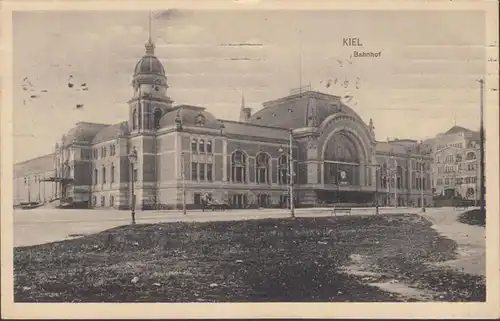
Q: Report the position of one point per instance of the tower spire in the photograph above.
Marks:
(242, 101)
(245, 112)
(149, 25)
(150, 46)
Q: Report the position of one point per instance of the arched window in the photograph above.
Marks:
(283, 170)
(262, 168)
(209, 146)
(157, 117)
(96, 175)
(239, 167)
(134, 119)
(112, 173)
(194, 145)
(202, 146)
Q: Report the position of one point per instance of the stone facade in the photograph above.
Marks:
(456, 167)
(185, 150)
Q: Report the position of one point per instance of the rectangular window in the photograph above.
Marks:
(112, 173)
(197, 198)
(111, 201)
(104, 175)
(194, 171)
(209, 172)
(202, 172)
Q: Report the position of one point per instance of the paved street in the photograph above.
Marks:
(44, 225)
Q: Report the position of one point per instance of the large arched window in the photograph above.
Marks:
(239, 167)
(134, 119)
(194, 145)
(201, 146)
(209, 146)
(156, 118)
(262, 168)
(283, 170)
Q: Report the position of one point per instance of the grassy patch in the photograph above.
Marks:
(473, 217)
(240, 261)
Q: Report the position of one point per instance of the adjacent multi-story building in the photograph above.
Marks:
(456, 167)
(183, 151)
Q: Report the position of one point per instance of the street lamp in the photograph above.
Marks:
(377, 173)
(132, 157)
(291, 174)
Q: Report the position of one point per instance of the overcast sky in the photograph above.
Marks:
(425, 75)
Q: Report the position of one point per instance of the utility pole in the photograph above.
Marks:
(292, 211)
(481, 145)
(290, 173)
(387, 182)
(395, 183)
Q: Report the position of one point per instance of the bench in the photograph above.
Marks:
(341, 210)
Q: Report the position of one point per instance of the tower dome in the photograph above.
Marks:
(149, 64)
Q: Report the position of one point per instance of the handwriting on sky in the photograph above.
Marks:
(344, 78)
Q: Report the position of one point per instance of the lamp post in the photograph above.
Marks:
(29, 190)
(183, 169)
(377, 173)
(290, 174)
(422, 185)
(132, 156)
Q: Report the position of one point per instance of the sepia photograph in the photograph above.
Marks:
(251, 155)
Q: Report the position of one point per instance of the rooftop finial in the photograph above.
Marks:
(150, 46)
